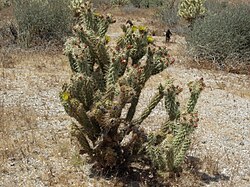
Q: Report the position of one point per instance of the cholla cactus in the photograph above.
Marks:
(106, 83)
(168, 147)
(191, 9)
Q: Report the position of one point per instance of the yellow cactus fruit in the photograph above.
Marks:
(134, 28)
(142, 28)
(150, 39)
(107, 38)
(65, 96)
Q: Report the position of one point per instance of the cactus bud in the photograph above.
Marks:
(65, 96)
(139, 70)
(123, 61)
(135, 65)
(129, 46)
(150, 39)
(172, 61)
(107, 38)
(134, 28)
(142, 29)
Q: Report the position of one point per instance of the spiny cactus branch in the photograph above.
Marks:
(152, 104)
(195, 88)
(78, 133)
(171, 105)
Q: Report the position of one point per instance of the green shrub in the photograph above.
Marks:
(44, 19)
(222, 36)
(136, 3)
(168, 13)
(147, 3)
(4, 4)
(103, 95)
(215, 6)
(101, 3)
(119, 2)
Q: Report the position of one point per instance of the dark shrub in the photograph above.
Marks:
(147, 3)
(44, 19)
(222, 35)
(168, 13)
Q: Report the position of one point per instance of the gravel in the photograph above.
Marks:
(42, 153)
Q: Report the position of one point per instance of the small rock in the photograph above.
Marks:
(242, 143)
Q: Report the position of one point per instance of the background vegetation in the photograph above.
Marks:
(43, 19)
(220, 36)
(223, 35)
(168, 13)
(4, 3)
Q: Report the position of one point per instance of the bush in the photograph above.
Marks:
(136, 3)
(222, 36)
(147, 3)
(168, 13)
(101, 3)
(119, 2)
(215, 6)
(44, 19)
(4, 3)
(103, 96)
